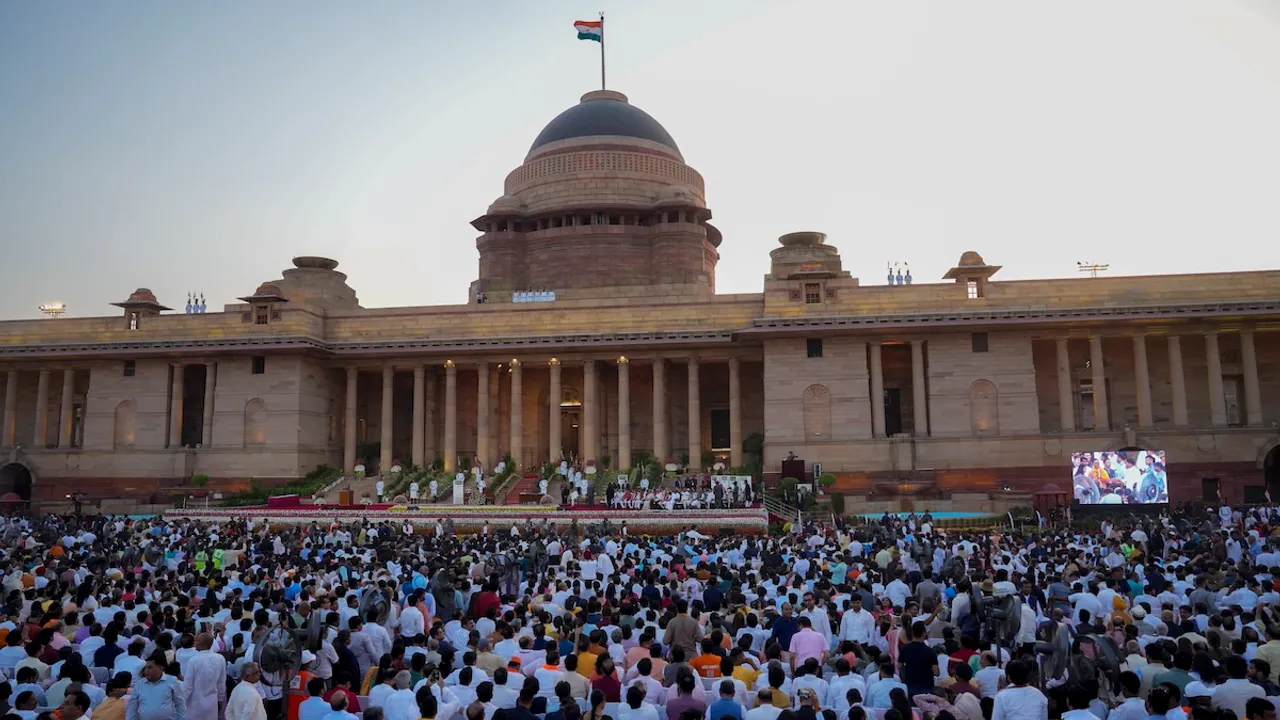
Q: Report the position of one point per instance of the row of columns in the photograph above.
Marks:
(590, 408)
(1217, 399)
(40, 436)
(66, 425)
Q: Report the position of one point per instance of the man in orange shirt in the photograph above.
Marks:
(707, 664)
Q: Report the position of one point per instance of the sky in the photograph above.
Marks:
(201, 146)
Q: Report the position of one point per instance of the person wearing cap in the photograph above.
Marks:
(206, 684)
(299, 686)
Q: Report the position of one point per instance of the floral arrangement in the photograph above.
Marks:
(359, 471)
(471, 519)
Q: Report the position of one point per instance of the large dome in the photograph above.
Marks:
(604, 112)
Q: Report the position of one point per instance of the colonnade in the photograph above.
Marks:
(592, 405)
(1142, 378)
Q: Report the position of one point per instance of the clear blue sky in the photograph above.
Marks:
(202, 145)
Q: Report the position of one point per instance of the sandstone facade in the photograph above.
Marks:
(974, 387)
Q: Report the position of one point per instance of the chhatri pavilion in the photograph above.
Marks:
(593, 330)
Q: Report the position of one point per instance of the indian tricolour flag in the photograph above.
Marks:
(590, 30)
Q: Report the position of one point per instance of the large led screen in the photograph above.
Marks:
(1116, 477)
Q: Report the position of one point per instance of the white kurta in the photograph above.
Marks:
(245, 703)
(206, 684)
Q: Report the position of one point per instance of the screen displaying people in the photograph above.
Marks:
(1114, 477)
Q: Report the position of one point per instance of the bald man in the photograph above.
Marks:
(206, 681)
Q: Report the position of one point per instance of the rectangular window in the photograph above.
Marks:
(673, 216)
(720, 430)
(260, 316)
(979, 342)
(972, 288)
(812, 293)
(259, 365)
(130, 368)
(813, 347)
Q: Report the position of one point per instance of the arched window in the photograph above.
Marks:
(569, 398)
(255, 422)
(984, 408)
(126, 427)
(817, 412)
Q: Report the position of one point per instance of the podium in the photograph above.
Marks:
(346, 497)
(794, 469)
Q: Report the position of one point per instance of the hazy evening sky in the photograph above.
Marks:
(202, 145)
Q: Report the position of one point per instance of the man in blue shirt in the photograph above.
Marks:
(726, 708)
(156, 696)
(784, 627)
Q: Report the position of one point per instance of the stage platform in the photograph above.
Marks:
(471, 518)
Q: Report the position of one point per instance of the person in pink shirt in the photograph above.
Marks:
(807, 643)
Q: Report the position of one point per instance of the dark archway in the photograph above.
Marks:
(16, 478)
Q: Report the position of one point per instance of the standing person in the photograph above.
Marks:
(380, 489)
(245, 702)
(114, 706)
(1019, 701)
(156, 696)
(206, 680)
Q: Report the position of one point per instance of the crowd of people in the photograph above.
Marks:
(166, 619)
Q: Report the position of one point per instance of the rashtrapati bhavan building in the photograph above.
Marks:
(594, 329)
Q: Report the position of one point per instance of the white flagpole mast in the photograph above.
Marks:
(602, 84)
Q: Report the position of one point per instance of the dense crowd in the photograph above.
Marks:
(1155, 617)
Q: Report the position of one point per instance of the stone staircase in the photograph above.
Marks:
(527, 483)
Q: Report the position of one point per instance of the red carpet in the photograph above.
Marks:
(526, 485)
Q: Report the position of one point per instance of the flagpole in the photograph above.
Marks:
(602, 84)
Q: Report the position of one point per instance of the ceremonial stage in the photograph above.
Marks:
(472, 518)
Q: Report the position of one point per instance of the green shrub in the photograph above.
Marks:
(837, 504)
(200, 480)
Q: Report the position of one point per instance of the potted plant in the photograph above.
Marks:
(359, 471)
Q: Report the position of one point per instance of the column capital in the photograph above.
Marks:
(515, 362)
(554, 362)
(450, 365)
(622, 360)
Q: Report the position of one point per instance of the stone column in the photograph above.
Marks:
(349, 424)
(1252, 392)
(1143, 379)
(450, 417)
(554, 447)
(517, 413)
(482, 416)
(1066, 400)
(175, 409)
(1178, 380)
(210, 384)
(1217, 400)
(39, 437)
(590, 434)
(735, 412)
(387, 420)
(877, 391)
(919, 391)
(624, 414)
(10, 407)
(431, 405)
(1101, 419)
(66, 423)
(660, 449)
(416, 446)
(695, 416)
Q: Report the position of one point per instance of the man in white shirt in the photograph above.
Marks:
(857, 624)
(1019, 701)
(1235, 693)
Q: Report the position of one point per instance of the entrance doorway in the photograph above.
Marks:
(16, 478)
(570, 422)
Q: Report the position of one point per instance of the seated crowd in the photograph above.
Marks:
(1170, 617)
